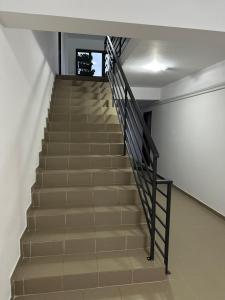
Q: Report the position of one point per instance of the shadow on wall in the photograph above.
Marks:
(50, 56)
(31, 110)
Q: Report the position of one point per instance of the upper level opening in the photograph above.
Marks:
(90, 62)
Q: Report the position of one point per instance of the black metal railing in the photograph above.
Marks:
(154, 191)
(119, 44)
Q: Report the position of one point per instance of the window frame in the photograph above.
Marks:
(89, 51)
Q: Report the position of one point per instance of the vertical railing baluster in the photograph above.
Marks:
(167, 235)
(129, 112)
(153, 213)
(125, 123)
(114, 70)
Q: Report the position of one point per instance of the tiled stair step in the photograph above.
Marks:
(71, 272)
(84, 118)
(85, 177)
(82, 148)
(84, 196)
(83, 217)
(89, 240)
(71, 82)
(83, 89)
(66, 103)
(76, 100)
(83, 162)
(79, 94)
(80, 102)
(68, 93)
(136, 291)
(73, 126)
(81, 110)
(88, 137)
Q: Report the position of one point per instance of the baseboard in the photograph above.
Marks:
(215, 212)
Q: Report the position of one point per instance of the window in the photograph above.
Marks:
(90, 63)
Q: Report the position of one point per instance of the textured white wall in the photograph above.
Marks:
(190, 138)
(28, 62)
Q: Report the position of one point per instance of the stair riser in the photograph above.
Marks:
(70, 126)
(84, 118)
(87, 95)
(59, 101)
(82, 162)
(82, 149)
(88, 245)
(67, 84)
(78, 110)
(84, 220)
(85, 179)
(87, 280)
(83, 90)
(83, 198)
(83, 137)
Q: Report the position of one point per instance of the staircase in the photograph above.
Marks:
(85, 227)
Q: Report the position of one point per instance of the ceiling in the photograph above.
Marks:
(183, 57)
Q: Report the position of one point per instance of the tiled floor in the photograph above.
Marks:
(197, 257)
(197, 261)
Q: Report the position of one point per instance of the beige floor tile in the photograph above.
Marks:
(32, 297)
(110, 293)
(65, 295)
(157, 291)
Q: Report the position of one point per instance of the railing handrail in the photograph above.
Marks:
(129, 91)
(144, 164)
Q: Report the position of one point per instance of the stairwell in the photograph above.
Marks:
(85, 227)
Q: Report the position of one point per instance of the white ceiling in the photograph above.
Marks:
(183, 57)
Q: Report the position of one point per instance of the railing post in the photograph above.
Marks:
(153, 213)
(167, 236)
(60, 52)
(125, 124)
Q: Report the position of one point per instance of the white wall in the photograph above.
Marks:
(28, 62)
(71, 43)
(190, 138)
(146, 93)
(209, 78)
